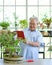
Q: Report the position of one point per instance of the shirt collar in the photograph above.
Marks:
(31, 31)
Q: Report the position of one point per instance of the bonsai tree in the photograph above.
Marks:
(47, 20)
(23, 23)
(4, 24)
(10, 45)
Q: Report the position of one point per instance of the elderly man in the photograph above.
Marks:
(33, 40)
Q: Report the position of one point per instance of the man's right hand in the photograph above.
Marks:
(26, 41)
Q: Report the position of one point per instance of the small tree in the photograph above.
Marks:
(7, 41)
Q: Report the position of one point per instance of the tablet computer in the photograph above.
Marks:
(20, 34)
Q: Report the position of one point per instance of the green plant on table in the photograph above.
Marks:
(4, 24)
(47, 20)
(9, 44)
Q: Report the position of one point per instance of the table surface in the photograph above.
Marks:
(36, 62)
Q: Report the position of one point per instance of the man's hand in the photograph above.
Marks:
(32, 43)
(26, 41)
(21, 40)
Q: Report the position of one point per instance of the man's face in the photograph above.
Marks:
(33, 24)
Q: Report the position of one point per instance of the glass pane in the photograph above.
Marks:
(32, 11)
(40, 55)
(51, 11)
(1, 2)
(47, 42)
(44, 2)
(44, 11)
(20, 2)
(51, 2)
(1, 14)
(21, 12)
(9, 2)
(32, 2)
(8, 15)
(41, 49)
(51, 40)
(51, 54)
(47, 53)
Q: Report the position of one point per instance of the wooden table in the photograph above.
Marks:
(37, 62)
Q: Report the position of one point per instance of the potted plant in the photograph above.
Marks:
(23, 23)
(4, 24)
(47, 21)
(50, 48)
(11, 46)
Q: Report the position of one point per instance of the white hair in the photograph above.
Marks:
(35, 18)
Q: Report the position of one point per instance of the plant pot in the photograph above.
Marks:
(48, 24)
(11, 58)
